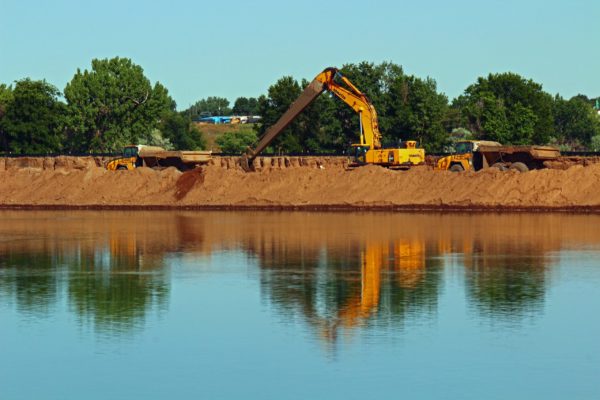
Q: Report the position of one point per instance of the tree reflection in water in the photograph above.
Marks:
(110, 282)
(506, 282)
(338, 272)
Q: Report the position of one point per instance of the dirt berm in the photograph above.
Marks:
(294, 182)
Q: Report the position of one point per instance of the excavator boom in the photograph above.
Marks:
(309, 94)
(332, 80)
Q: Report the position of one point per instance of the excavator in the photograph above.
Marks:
(368, 150)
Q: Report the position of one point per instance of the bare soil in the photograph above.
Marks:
(294, 183)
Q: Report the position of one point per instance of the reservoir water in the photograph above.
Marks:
(268, 305)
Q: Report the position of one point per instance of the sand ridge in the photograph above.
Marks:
(291, 182)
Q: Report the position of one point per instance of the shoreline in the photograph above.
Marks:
(307, 208)
(312, 185)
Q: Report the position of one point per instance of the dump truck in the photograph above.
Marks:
(158, 158)
(369, 149)
(475, 155)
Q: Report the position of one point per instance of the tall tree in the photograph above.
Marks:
(280, 96)
(181, 132)
(245, 106)
(113, 104)
(210, 106)
(305, 132)
(34, 118)
(369, 79)
(576, 122)
(508, 108)
(236, 142)
(414, 109)
(407, 107)
(6, 97)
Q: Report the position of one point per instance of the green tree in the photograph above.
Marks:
(210, 106)
(576, 122)
(508, 108)
(414, 109)
(6, 97)
(595, 143)
(271, 107)
(306, 132)
(113, 104)
(181, 132)
(407, 107)
(236, 142)
(368, 78)
(245, 106)
(33, 118)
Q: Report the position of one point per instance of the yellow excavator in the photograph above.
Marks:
(368, 150)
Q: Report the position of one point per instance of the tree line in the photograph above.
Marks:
(114, 104)
(504, 107)
(100, 110)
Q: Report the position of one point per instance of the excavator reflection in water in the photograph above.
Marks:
(402, 259)
(350, 292)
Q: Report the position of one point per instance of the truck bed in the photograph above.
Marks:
(535, 152)
(185, 156)
(522, 157)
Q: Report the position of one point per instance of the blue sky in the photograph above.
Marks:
(239, 48)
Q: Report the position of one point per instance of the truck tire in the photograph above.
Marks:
(121, 168)
(519, 166)
(500, 166)
(457, 168)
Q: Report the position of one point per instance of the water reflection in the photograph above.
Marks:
(110, 276)
(337, 272)
(338, 290)
(509, 281)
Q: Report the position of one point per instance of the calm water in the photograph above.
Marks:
(155, 305)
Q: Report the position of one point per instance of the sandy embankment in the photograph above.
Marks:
(293, 182)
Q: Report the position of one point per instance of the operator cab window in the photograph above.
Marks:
(360, 153)
(130, 151)
(463, 147)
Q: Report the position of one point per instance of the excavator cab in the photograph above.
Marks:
(360, 154)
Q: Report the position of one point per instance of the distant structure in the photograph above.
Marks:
(231, 119)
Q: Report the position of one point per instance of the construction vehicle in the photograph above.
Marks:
(156, 157)
(368, 150)
(475, 155)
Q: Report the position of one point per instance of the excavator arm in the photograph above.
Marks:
(333, 81)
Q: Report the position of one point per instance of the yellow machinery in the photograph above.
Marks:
(157, 157)
(127, 161)
(368, 150)
(474, 155)
(462, 160)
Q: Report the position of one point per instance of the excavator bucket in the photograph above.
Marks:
(246, 164)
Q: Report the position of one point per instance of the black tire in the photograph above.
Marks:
(519, 166)
(121, 168)
(457, 168)
(500, 166)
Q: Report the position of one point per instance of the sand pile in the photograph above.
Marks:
(293, 182)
